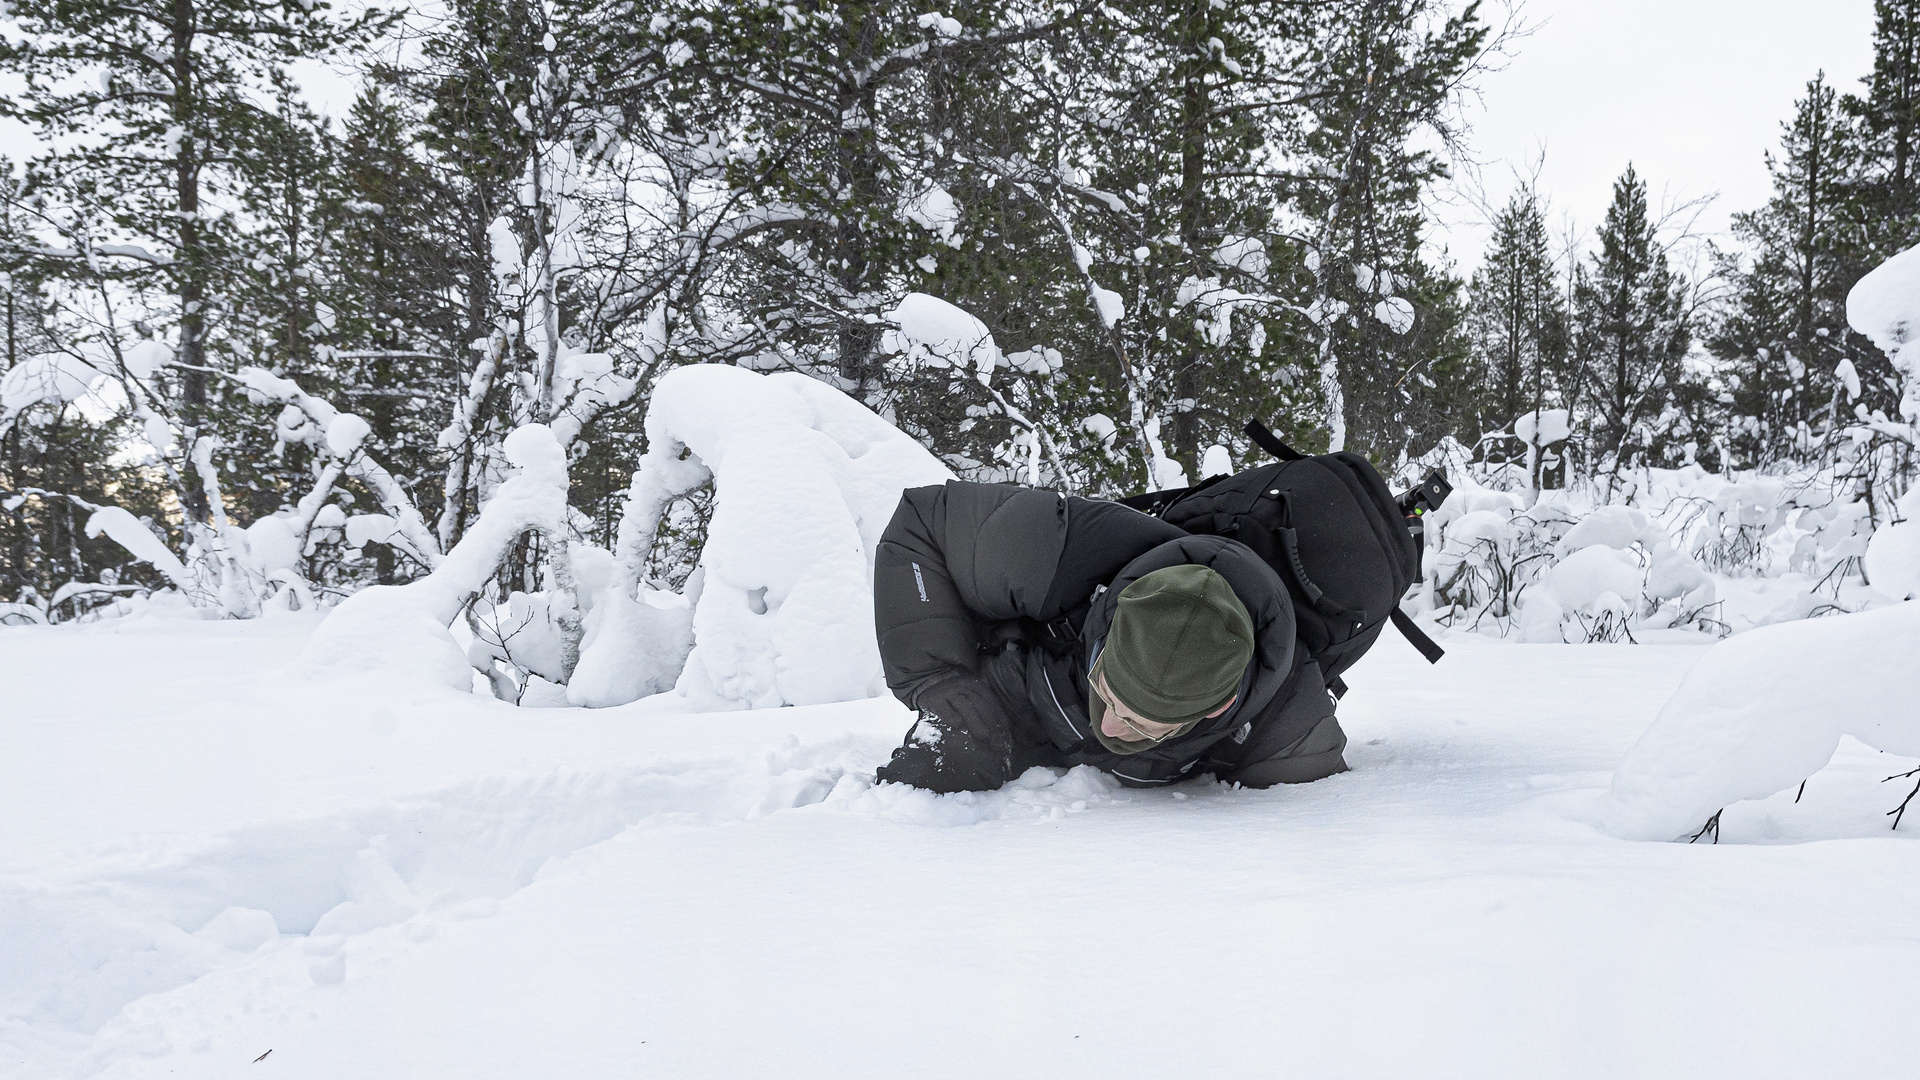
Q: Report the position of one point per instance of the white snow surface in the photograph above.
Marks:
(1551, 425)
(346, 433)
(1396, 312)
(51, 378)
(218, 852)
(127, 531)
(1885, 306)
(1893, 554)
(935, 210)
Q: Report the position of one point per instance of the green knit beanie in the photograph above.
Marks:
(1179, 644)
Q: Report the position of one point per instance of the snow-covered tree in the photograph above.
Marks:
(151, 104)
(1386, 77)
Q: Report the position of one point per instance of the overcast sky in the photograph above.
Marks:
(1691, 91)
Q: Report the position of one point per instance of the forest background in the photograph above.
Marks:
(221, 308)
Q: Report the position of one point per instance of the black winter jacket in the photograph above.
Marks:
(988, 600)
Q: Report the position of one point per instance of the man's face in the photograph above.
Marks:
(1121, 722)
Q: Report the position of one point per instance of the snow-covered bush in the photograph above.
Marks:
(1736, 524)
(1617, 569)
(1763, 711)
(1559, 570)
(1692, 542)
(222, 567)
(405, 629)
(1479, 558)
(1885, 305)
(804, 479)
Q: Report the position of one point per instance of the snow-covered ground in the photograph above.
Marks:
(208, 855)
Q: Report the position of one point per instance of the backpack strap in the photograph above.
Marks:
(1416, 637)
(1324, 604)
(1270, 442)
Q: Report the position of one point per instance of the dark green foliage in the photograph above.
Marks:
(1518, 324)
(760, 183)
(1786, 330)
(1631, 332)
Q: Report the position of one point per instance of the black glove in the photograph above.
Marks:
(960, 742)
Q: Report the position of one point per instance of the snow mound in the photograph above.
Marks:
(1763, 711)
(804, 479)
(1049, 794)
(1893, 554)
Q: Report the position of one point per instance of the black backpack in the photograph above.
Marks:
(1333, 532)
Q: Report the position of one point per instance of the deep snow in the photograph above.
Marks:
(208, 857)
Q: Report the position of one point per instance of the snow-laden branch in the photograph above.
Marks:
(756, 219)
(342, 435)
(124, 251)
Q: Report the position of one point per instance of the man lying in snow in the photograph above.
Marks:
(1032, 628)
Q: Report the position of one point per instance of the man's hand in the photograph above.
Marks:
(960, 742)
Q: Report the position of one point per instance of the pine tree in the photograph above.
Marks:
(1889, 116)
(1786, 331)
(396, 325)
(1518, 318)
(1204, 93)
(274, 314)
(1882, 217)
(1630, 334)
(1386, 74)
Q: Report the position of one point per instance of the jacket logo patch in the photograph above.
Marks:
(920, 583)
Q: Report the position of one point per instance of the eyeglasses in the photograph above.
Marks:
(1106, 697)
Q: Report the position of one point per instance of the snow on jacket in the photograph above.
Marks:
(989, 600)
